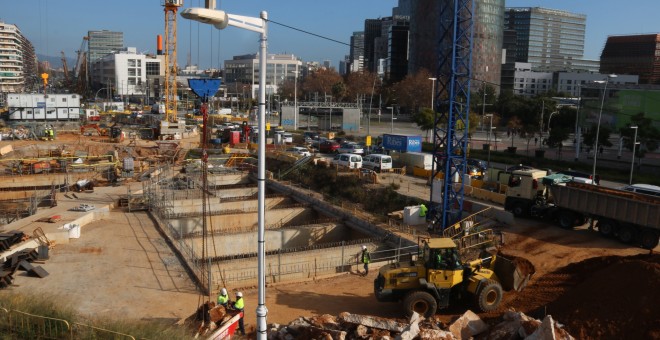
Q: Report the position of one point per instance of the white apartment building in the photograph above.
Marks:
(18, 62)
(125, 73)
(531, 83)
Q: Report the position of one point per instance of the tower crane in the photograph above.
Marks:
(65, 67)
(452, 104)
(170, 7)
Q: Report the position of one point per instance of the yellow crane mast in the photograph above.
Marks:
(171, 8)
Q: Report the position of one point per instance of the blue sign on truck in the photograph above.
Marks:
(402, 143)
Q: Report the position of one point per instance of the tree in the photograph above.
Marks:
(414, 91)
(361, 83)
(647, 135)
(514, 125)
(425, 120)
(321, 81)
(603, 136)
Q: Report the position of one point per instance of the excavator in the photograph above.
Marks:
(99, 130)
(437, 277)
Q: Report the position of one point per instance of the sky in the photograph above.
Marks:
(60, 26)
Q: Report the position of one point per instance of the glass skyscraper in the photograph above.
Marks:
(102, 43)
(550, 40)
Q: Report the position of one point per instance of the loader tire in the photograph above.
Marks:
(489, 296)
(519, 209)
(421, 302)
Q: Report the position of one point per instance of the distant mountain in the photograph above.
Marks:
(56, 61)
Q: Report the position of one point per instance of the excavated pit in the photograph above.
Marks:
(303, 239)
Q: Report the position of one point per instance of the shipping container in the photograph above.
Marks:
(414, 159)
(402, 143)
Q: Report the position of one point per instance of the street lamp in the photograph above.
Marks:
(392, 114)
(577, 117)
(632, 162)
(220, 20)
(600, 115)
(490, 115)
(433, 80)
(549, 119)
(295, 100)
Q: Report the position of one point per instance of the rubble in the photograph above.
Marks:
(514, 325)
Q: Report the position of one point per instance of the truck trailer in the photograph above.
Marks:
(632, 218)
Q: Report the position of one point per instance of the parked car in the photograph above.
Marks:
(646, 189)
(328, 146)
(350, 148)
(518, 167)
(481, 164)
(377, 162)
(578, 176)
(299, 150)
(349, 160)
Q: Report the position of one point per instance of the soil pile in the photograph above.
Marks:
(600, 298)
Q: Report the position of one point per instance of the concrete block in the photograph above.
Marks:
(468, 325)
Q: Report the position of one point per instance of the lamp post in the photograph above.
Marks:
(295, 100)
(433, 80)
(550, 119)
(392, 115)
(489, 132)
(577, 117)
(632, 162)
(220, 20)
(600, 115)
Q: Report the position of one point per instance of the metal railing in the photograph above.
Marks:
(82, 331)
(30, 326)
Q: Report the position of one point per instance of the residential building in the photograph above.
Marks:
(244, 70)
(633, 54)
(487, 40)
(18, 62)
(550, 40)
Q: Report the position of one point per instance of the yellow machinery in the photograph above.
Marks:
(437, 277)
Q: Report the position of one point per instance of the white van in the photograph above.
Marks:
(377, 162)
(646, 189)
(349, 160)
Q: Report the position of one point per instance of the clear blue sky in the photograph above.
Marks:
(59, 26)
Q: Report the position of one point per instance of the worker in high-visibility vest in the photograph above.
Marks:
(239, 305)
(223, 298)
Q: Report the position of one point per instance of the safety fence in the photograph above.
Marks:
(24, 325)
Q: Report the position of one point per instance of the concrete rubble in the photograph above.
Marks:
(347, 326)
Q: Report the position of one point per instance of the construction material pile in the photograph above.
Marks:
(514, 325)
(600, 298)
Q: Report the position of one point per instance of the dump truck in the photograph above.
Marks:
(631, 217)
(436, 277)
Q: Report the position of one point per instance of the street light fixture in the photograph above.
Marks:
(490, 115)
(295, 101)
(632, 162)
(577, 117)
(433, 80)
(392, 115)
(600, 115)
(550, 119)
(221, 20)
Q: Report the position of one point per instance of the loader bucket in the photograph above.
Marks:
(513, 272)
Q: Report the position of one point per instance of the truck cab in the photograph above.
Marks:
(525, 187)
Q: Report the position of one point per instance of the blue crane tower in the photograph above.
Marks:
(452, 105)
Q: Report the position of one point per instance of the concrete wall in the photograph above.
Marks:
(228, 179)
(246, 243)
(218, 205)
(292, 216)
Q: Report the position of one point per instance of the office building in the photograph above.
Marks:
(356, 56)
(633, 54)
(488, 20)
(244, 71)
(125, 73)
(102, 43)
(18, 62)
(550, 40)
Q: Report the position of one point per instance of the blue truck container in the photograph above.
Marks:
(402, 143)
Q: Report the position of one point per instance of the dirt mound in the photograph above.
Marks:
(600, 298)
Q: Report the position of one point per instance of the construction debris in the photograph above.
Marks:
(515, 325)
